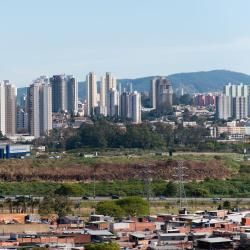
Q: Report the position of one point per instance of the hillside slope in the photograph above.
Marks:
(203, 81)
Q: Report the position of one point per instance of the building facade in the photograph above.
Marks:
(91, 93)
(161, 93)
(64, 93)
(2, 109)
(10, 107)
(39, 105)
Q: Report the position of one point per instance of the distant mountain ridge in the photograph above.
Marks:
(202, 81)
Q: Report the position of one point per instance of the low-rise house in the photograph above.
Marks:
(214, 243)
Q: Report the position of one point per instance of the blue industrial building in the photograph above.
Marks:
(8, 151)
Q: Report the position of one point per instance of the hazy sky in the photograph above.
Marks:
(130, 38)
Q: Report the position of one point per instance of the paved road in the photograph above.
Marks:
(172, 200)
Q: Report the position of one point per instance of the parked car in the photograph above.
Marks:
(115, 197)
(85, 198)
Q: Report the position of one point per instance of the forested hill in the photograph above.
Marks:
(203, 81)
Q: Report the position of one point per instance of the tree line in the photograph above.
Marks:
(105, 134)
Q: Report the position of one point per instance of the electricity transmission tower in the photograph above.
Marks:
(181, 189)
(147, 179)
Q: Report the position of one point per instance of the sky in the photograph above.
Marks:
(130, 38)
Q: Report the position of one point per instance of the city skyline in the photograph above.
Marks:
(129, 38)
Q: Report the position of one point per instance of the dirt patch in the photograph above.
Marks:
(194, 170)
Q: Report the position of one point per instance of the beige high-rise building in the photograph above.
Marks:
(2, 109)
(10, 107)
(39, 105)
(91, 93)
(102, 103)
(107, 86)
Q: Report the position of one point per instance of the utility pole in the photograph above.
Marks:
(180, 175)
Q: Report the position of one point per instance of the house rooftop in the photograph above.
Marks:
(172, 234)
(215, 240)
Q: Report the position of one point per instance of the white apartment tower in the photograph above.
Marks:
(135, 107)
(91, 93)
(238, 104)
(2, 108)
(39, 105)
(223, 107)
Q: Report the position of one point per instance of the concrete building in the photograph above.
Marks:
(2, 108)
(113, 103)
(22, 121)
(110, 83)
(161, 92)
(45, 108)
(240, 107)
(33, 110)
(239, 95)
(64, 93)
(39, 100)
(124, 105)
(91, 93)
(107, 85)
(130, 106)
(10, 107)
(135, 107)
(103, 97)
(223, 107)
(72, 94)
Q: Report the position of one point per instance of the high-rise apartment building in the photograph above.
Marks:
(39, 105)
(10, 107)
(223, 107)
(91, 93)
(161, 92)
(237, 103)
(113, 102)
(124, 105)
(130, 106)
(33, 110)
(110, 82)
(7, 108)
(135, 107)
(45, 108)
(2, 109)
(72, 94)
(22, 121)
(64, 93)
(103, 97)
(107, 85)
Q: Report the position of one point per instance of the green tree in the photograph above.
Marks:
(109, 208)
(226, 205)
(69, 190)
(133, 206)
(62, 206)
(46, 206)
(171, 189)
(102, 246)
